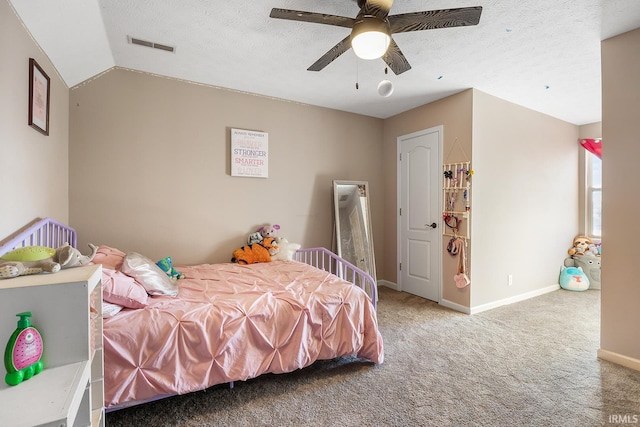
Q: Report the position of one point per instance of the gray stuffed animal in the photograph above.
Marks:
(65, 256)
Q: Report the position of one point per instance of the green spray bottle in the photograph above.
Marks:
(23, 355)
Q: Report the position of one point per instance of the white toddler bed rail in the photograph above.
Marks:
(40, 232)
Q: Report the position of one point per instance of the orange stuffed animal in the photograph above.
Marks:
(256, 252)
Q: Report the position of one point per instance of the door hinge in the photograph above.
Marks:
(400, 266)
(400, 211)
(400, 156)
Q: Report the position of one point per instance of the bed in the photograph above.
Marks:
(227, 323)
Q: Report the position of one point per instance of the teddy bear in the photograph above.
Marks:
(256, 252)
(583, 245)
(38, 259)
(286, 250)
(269, 230)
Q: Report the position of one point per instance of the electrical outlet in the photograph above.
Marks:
(510, 279)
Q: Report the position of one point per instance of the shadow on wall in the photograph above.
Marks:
(318, 228)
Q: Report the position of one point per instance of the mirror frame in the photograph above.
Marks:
(369, 246)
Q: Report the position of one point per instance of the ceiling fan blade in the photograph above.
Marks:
(318, 18)
(377, 8)
(431, 19)
(332, 54)
(395, 59)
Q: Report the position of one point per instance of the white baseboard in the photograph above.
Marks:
(454, 306)
(484, 307)
(511, 300)
(388, 284)
(619, 359)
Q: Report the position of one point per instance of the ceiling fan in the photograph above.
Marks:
(374, 20)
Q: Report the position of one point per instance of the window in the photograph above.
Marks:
(594, 195)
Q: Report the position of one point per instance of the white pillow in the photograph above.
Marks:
(149, 275)
(110, 310)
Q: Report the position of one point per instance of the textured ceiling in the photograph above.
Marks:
(541, 54)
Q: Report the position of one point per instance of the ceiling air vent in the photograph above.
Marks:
(146, 43)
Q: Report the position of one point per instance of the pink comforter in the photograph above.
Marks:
(232, 322)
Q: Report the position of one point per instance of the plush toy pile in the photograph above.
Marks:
(582, 266)
(269, 230)
(583, 245)
(41, 259)
(264, 245)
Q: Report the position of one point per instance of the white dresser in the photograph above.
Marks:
(66, 308)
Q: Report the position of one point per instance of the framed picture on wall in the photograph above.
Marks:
(249, 153)
(39, 89)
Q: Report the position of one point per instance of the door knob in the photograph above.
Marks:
(433, 225)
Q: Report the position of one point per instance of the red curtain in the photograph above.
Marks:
(593, 146)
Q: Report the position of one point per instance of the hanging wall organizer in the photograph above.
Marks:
(456, 191)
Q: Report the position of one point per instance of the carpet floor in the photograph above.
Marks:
(531, 363)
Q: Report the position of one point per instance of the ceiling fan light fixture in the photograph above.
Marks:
(370, 37)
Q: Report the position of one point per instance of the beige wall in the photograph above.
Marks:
(525, 199)
(150, 168)
(517, 196)
(620, 316)
(33, 167)
(454, 113)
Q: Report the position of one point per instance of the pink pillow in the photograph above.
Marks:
(109, 257)
(118, 288)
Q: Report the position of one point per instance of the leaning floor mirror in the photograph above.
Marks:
(354, 240)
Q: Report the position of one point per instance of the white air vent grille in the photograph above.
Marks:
(153, 45)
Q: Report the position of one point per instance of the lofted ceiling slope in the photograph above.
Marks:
(541, 54)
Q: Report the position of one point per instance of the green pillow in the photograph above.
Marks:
(29, 253)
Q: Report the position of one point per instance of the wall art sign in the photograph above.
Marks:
(39, 90)
(249, 153)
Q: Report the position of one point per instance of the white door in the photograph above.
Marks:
(419, 220)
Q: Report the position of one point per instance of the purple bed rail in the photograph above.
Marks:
(326, 260)
(40, 232)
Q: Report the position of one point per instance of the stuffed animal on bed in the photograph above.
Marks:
(286, 250)
(256, 252)
(166, 265)
(41, 259)
(269, 230)
(254, 237)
